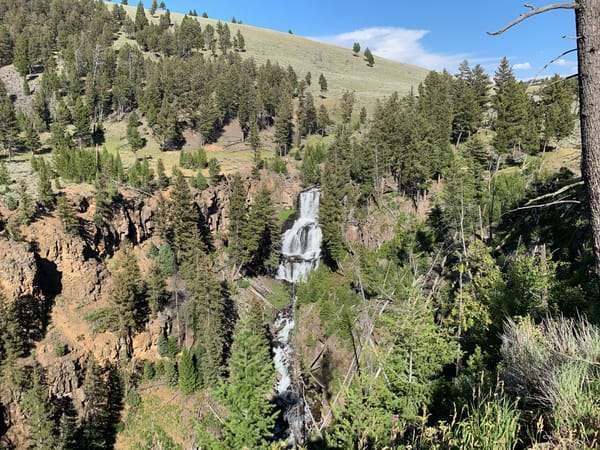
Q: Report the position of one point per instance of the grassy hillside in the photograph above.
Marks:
(342, 70)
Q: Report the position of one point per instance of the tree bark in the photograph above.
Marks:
(587, 19)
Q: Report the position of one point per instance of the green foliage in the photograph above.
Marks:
(133, 135)
(214, 170)
(141, 176)
(166, 259)
(26, 210)
(369, 57)
(163, 179)
(260, 236)
(156, 289)
(237, 216)
(149, 372)
(4, 175)
(193, 160)
(278, 165)
(198, 181)
(37, 407)
(250, 415)
(554, 366)
(188, 374)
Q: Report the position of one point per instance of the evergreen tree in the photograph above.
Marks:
(183, 217)
(214, 170)
(322, 84)
(82, 123)
(283, 125)
(153, 7)
(141, 21)
(323, 120)
(163, 178)
(557, 110)
(26, 89)
(9, 129)
(346, 106)
(6, 46)
(356, 48)
(65, 211)
(205, 309)
(251, 415)
(127, 297)
(26, 210)
(237, 215)
(369, 57)
(167, 127)
(133, 135)
(44, 186)
(188, 374)
(22, 56)
(260, 236)
(37, 407)
(255, 141)
(4, 175)
(156, 289)
(95, 410)
(31, 140)
(514, 122)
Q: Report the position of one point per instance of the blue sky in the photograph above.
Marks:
(435, 34)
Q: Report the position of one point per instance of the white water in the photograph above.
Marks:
(301, 245)
(300, 253)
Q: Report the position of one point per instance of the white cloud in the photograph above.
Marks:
(397, 44)
(522, 66)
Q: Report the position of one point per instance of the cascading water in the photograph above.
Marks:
(300, 253)
(301, 245)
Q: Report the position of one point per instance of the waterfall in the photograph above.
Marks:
(301, 245)
(300, 253)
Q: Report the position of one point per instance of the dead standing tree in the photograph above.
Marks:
(587, 23)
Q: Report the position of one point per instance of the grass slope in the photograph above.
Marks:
(342, 70)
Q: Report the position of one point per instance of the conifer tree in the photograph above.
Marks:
(369, 57)
(26, 210)
(141, 21)
(237, 215)
(557, 110)
(283, 125)
(205, 309)
(346, 106)
(156, 289)
(183, 216)
(82, 123)
(250, 414)
(26, 89)
(37, 407)
(44, 186)
(127, 297)
(133, 135)
(153, 7)
(356, 48)
(322, 84)
(514, 123)
(22, 56)
(66, 213)
(9, 129)
(95, 406)
(260, 236)
(163, 178)
(188, 374)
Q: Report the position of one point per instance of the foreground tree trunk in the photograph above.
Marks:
(587, 19)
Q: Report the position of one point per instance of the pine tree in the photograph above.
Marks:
(346, 106)
(283, 125)
(95, 410)
(22, 56)
(44, 186)
(82, 123)
(141, 21)
(9, 129)
(356, 48)
(65, 211)
(369, 57)
(557, 110)
(26, 210)
(205, 309)
(133, 135)
(514, 123)
(237, 215)
(36, 405)
(156, 289)
(183, 217)
(163, 178)
(4, 175)
(188, 374)
(322, 84)
(260, 236)
(153, 7)
(127, 297)
(251, 415)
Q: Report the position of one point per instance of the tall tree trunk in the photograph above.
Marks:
(587, 19)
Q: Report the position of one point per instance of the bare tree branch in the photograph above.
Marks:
(554, 60)
(533, 12)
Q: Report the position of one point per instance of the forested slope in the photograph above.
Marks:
(150, 166)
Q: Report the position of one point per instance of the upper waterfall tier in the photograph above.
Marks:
(301, 246)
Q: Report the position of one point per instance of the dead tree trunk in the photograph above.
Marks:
(587, 19)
